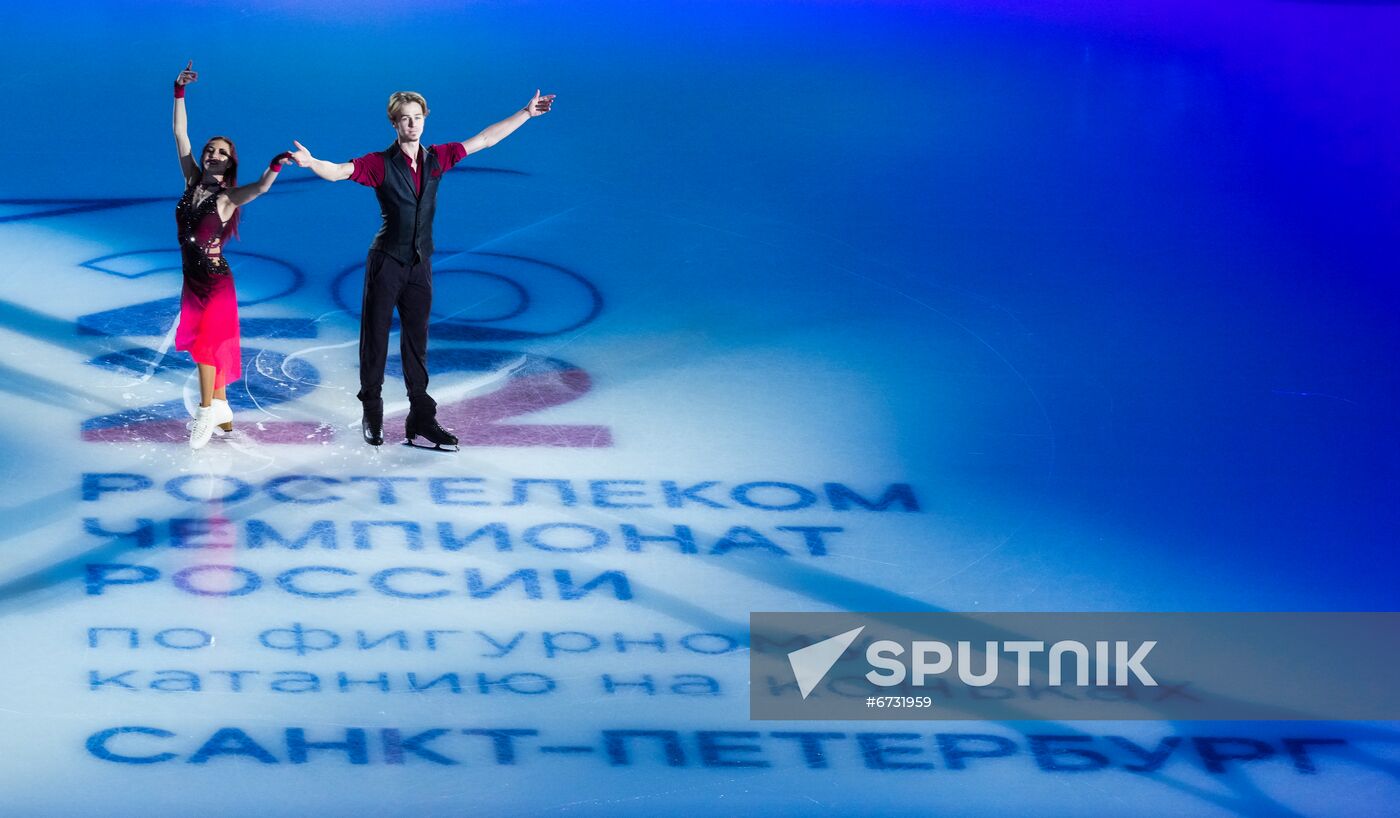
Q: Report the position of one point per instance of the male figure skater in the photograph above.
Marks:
(398, 272)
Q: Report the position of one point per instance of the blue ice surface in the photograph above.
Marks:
(1111, 289)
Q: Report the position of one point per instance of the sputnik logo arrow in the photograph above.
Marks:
(810, 664)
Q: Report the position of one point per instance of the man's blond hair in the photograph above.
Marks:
(401, 98)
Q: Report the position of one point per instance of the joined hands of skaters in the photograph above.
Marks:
(301, 155)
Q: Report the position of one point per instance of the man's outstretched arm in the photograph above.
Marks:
(538, 106)
(330, 171)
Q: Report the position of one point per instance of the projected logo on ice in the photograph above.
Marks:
(774, 431)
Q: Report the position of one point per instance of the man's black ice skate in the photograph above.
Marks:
(430, 430)
(372, 424)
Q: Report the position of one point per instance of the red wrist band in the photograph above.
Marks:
(179, 91)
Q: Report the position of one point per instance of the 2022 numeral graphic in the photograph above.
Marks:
(522, 383)
(269, 379)
(533, 383)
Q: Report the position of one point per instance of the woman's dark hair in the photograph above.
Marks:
(198, 274)
(230, 182)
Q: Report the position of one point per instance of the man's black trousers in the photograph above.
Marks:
(390, 284)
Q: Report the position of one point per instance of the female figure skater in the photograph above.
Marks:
(207, 216)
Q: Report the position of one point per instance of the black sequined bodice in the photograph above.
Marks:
(201, 232)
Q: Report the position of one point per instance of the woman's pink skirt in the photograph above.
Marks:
(209, 331)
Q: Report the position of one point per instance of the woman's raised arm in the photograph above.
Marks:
(180, 124)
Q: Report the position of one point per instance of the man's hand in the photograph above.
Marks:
(329, 171)
(188, 75)
(539, 105)
(301, 155)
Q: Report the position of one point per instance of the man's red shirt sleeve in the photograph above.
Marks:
(450, 154)
(369, 170)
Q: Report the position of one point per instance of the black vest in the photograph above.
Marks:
(408, 216)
